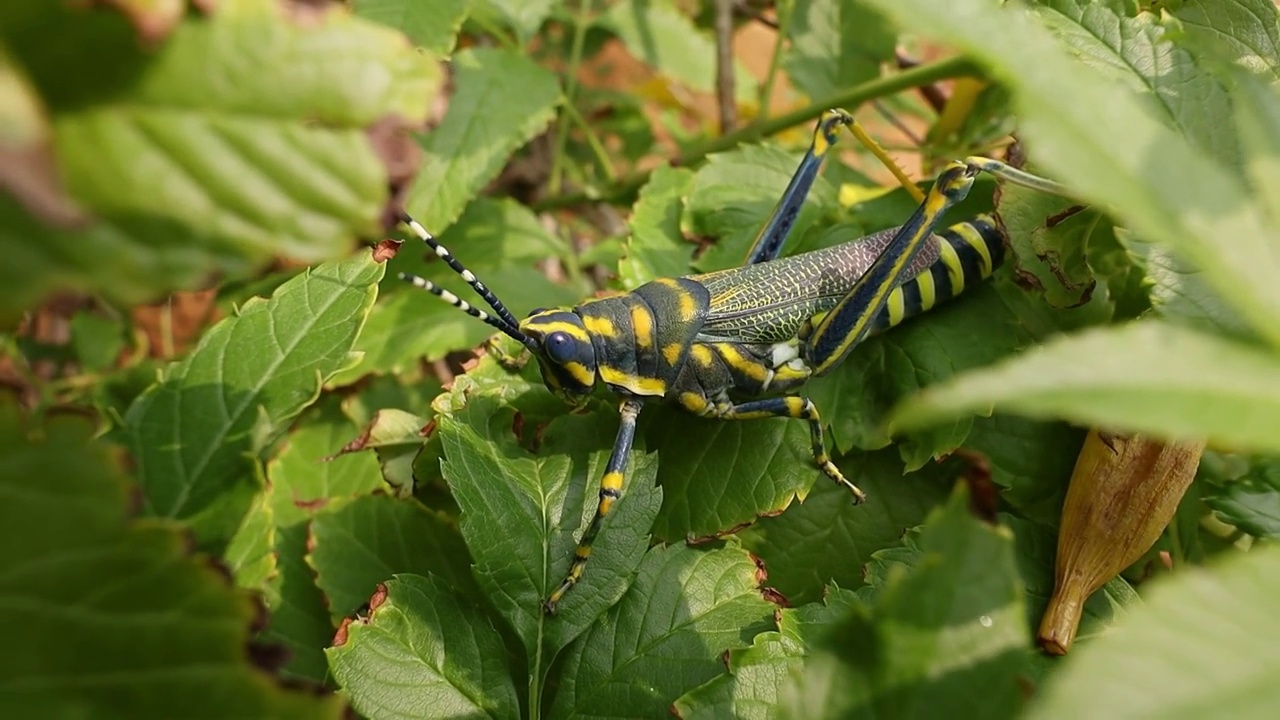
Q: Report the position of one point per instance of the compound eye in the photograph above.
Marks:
(559, 347)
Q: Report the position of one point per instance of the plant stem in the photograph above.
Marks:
(593, 141)
(570, 90)
(848, 99)
(505, 40)
(725, 95)
(784, 13)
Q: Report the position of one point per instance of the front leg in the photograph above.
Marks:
(792, 406)
(610, 491)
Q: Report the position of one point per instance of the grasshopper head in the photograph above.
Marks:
(564, 351)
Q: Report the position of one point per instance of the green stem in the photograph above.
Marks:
(593, 140)
(570, 90)
(166, 329)
(535, 681)
(784, 27)
(506, 41)
(926, 74)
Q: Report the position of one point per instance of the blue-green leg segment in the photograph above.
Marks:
(853, 318)
(791, 406)
(610, 491)
(776, 229)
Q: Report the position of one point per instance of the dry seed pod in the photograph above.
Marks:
(1123, 492)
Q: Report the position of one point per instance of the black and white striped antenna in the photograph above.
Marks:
(501, 318)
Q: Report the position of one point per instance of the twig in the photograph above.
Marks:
(848, 99)
(755, 16)
(724, 65)
(783, 28)
(931, 93)
(894, 121)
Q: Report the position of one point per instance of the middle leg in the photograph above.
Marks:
(792, 406)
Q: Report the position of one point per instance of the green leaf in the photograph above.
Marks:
(1159, 185)
(193, 434)
(718, 475)
(522, 515)
(1172, 659)
(502, 101)
(391, 393)
(242, 137)
(1134, 51)
(1258, 112)
(396, 437)
(751, 691)
(1051, 238)
(733, 194)
(300, 618)
(659, 35)
(98, 340)
(1252, 502)
(1147, 376)
(249, 554)
(1031, 461)
(309, 472)
(834, 46)
(523, 16)
(1248, 28)
(490, 234)
(665, 636)
(1178, 290)
(372, 538)
(986, 323)
(118, 619)
(946, 635)
(656, 248)
(827, 539)
(411, 326)
(431, 24)
(423, 651)
(500, 241)
(1035, 549)
(757, 673)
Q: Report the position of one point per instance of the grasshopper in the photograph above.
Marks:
(709, 342)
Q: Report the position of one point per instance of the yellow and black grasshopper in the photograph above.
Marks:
(708, 342)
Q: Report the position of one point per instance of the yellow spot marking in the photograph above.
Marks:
(583, 552)
(897, 306)
(693, 402)
(928, 293)
(606, 505)
(672, 353)
(668, 282)
(702, 355)
(934, 204)
(579, 373)
(975, 241)
(601, 326)
(546, 327)
(688, 306)
(750, 367)
(820, 144)
(611, 481)
(795, 406)
(642, 324)
(634, 383)
(955, 270)
(785, 374)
